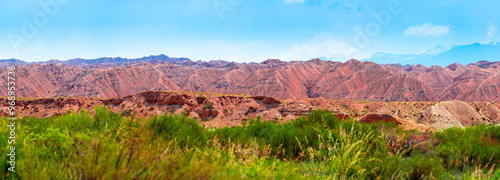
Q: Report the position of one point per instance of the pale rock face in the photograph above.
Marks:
(460, 114)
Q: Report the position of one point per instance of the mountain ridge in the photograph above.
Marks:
(354, 79)
(463, 54)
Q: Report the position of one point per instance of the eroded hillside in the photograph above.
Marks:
(274, 78)
(218, 110)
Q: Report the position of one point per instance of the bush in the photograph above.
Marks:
(53, 143)
(315, 146)
(423, 167)
(287, 140)
(472, 146)
(185, 131)
(208, 105)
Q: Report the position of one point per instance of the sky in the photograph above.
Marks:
(240, 30)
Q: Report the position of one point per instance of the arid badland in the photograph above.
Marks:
(225, 93)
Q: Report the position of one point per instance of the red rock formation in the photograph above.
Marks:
(273, 78)
(375, 118)
(341, 116)
(230, 110)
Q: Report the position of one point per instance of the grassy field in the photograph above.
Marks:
(317, 146)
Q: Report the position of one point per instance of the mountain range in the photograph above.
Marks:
(360, 80)
(99, 62)
(443, 56)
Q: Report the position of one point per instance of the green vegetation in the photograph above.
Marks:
(317, 146)
(208, 105)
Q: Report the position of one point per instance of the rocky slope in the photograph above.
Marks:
(219, 110)
(108, 77)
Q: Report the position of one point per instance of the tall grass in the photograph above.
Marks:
(317, 146)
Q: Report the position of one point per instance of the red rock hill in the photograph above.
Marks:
(274, 78)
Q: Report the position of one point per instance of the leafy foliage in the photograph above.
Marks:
(106, 145)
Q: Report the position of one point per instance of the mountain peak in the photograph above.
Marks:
(316, 61)
(352, 62)
(455, 66)
(273, 62)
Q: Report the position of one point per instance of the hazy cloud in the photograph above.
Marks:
(492, 30)
(323, 45)
(427, 30)
(345, 9)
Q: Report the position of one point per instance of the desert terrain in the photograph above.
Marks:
(356, 80)
(220, 110)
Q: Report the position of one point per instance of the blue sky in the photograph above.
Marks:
(240, 30)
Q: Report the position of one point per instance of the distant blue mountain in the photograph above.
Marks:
(99, 61)
(463, 54)
(117, 60)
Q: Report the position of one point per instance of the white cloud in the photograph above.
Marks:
(427, 30)
(294, 1)
(492, 30)
(323, 45)
(252, 51)
(320, 45)
(436, 50)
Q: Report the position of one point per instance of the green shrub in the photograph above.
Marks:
(316, 146)
(497, 175)
(208, 105)
(472, 146)
(186, 131)
(52, 142)
(423, 167)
